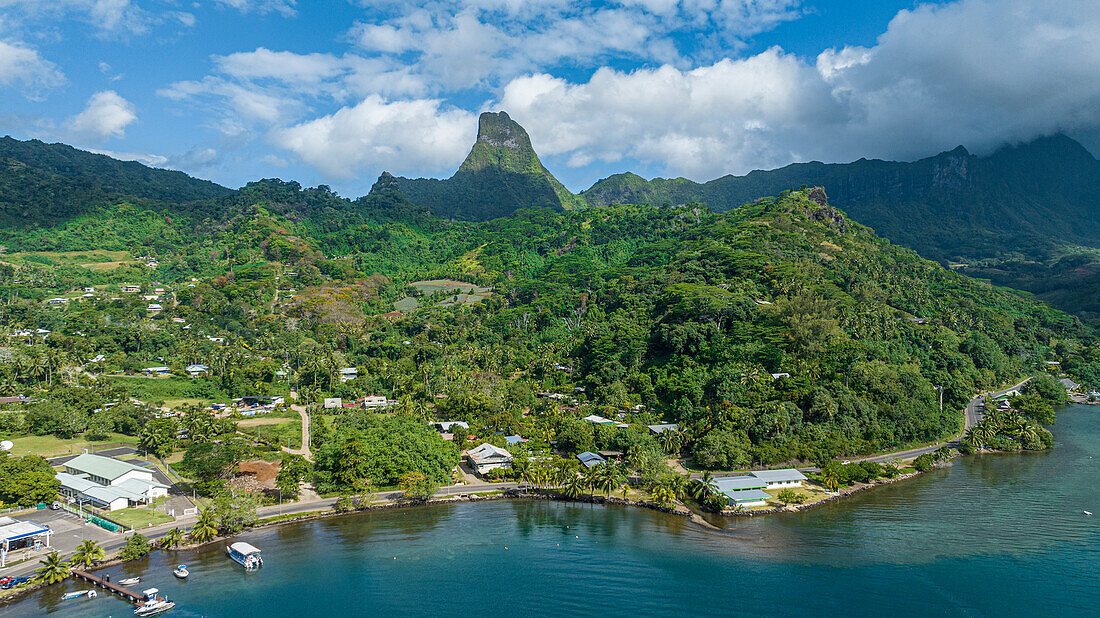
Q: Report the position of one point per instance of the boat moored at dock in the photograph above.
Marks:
(245, 554)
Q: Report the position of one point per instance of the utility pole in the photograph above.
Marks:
(940, 389)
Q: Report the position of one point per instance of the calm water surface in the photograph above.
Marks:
(1001, 534)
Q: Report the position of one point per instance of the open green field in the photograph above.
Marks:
(95, 260)
(173, 390)
(52, 446)
(448, 292)
(139, 517)
(287, 434)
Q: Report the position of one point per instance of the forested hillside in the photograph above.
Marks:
(780, 331)
(44, 184)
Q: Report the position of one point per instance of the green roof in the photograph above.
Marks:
(103, 467)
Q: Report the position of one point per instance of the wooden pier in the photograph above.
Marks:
(134, 597)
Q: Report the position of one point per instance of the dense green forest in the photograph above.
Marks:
(781, 331)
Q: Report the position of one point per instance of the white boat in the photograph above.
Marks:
(154, 606)
(129, 581)
(181, 571)
(1088, 512)
(245, 555)
(91, 594)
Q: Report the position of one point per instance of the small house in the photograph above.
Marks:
(596, 419)
(130, 289)
(660, 429)
(157, 370)
(778, 479)
(348, 374)
(488, 457)
(154, 308)
(590, 460)
(746, 497)
(197, 370)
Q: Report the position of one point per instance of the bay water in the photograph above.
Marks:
(988, 535)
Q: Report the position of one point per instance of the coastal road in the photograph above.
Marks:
(114, 542)
(972, 416)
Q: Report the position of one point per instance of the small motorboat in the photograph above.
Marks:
(181, 571)
(1088, 512)
(153, 605)
(91, 594)
(129, 581)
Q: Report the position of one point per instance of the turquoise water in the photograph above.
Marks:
(1001, 534)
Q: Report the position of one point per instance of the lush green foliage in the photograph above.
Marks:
(25, 481)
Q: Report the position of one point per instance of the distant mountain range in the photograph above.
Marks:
(954, 206)
(1024, 216)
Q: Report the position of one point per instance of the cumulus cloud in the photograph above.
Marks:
(488, 42)
(976, 72)
(23, 67)
(106, 116)
(377, 134)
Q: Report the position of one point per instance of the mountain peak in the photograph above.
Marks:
(498, 129)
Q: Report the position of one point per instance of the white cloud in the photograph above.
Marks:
(145, 158)
(488, 42)
(23, 67)
(106, 116)
(283, 66)
(377, 134)
(286, 8)
(975, 72)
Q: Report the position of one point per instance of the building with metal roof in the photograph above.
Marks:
(663, 427)
(590, 460)
(488, 457)
(776, 479)
(747, 497)
(737, 483)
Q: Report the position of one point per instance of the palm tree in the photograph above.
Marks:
(662, 494)
(87, 554)
(205, 528)
(704, 488)
(174, 538)
(574, 487)
(831, 479)
(672, 441)
(53, 569)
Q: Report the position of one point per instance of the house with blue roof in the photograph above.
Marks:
(590, 460)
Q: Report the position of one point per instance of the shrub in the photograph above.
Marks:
(137, 546)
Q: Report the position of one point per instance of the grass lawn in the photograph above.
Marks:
(139, 517)
(52, 446)
(811, 493)
(285, 433)
(199, 390)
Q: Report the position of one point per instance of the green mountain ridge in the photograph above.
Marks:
(43, 184)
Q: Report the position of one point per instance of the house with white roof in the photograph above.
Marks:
(596, 419)
(488, 457)
(108, 483)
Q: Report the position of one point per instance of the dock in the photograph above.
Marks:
(134, 597)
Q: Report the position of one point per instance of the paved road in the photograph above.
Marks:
(972, 416)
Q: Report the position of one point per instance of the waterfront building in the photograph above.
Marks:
(108, 483)
(488, 457)
(778, 479)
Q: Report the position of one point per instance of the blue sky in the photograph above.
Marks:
(336, 92)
